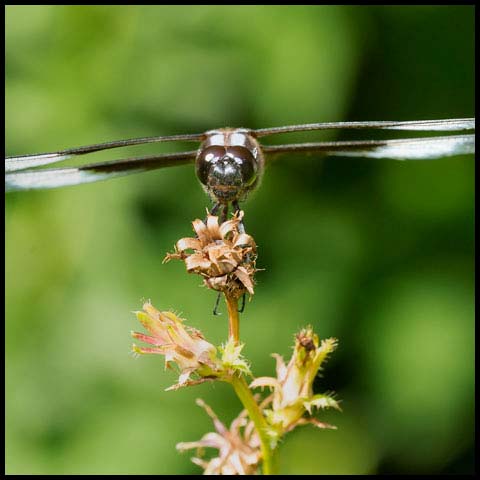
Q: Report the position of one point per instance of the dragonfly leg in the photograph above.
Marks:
(236, 208)
(241, 226)
(217, 301)
(241, 229)
(242, 308)
(215, 208)
(224, 215)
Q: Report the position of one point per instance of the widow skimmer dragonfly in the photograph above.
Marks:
(230, 161)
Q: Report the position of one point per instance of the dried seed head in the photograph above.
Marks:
(222, 254)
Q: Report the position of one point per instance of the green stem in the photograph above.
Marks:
(245, 395)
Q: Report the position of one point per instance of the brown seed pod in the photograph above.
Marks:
(222, 254)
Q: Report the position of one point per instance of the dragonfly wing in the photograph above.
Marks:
(446, 125)
(30, 161)
(13, 164)
(403, 149)
(62, 177)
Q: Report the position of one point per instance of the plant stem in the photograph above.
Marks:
(233, 318)
(246, 397)
(244, 393)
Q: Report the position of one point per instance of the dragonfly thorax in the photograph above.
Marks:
(229, 164)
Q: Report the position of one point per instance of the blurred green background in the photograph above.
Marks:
(376, 253)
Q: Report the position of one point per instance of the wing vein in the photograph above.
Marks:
(22, 162)
(450, 124)
(401, 149)
(61, 177)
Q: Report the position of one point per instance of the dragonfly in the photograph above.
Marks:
(230, 162)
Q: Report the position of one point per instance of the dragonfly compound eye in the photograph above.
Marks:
(228, 166)
(206, 159)
(246, 162)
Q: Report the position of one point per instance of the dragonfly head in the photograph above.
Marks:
(227, 173)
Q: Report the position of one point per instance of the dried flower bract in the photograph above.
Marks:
(197, 359)
(293, 395)
(238, 447)
(222, 254)
(184, 346)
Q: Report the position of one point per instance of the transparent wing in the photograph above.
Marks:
(447, 125)
(22, 162)
(403, 149)
(61, 177)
